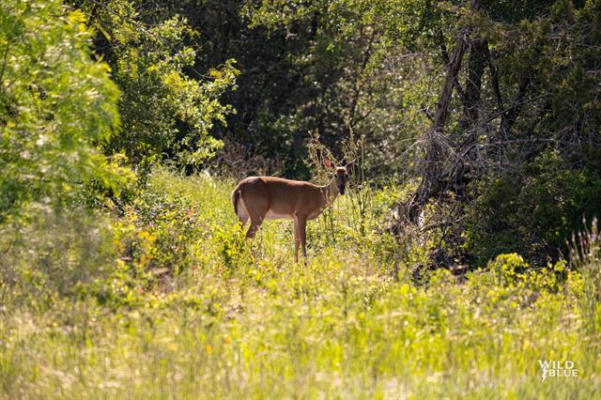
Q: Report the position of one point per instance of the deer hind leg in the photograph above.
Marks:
(256, 211)
(243, 220)
(243, 216)
(254, 227)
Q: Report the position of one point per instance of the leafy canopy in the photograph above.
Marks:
(167, 108)
(57, 106)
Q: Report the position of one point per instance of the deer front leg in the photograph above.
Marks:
(302, 232)
(296, 240)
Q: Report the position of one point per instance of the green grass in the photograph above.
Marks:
(175, 304)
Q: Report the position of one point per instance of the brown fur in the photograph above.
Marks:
(235, 198)
(266, 197)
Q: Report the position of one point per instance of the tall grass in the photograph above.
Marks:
(181, 306)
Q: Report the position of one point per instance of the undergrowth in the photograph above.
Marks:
(165, 298)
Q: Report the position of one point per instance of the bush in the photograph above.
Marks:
(56, 106)
(82, 309)
(167, 115)
(49, 254)
(532, 211)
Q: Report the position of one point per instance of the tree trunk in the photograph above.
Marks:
(510, 115)
(473, 84)
(432, 168)
(436, 152)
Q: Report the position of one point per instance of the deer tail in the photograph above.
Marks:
(235, 198)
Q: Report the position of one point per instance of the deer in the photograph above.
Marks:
(258, 198)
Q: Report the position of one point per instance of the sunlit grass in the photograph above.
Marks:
(241, 319)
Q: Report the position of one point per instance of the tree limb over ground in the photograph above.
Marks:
(437, 152)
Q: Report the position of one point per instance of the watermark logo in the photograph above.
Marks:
(557, 369)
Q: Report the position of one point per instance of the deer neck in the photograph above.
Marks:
(330, 191)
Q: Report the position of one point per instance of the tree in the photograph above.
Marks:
(522, 123)
(313, 67)
(167, 114)
(57, 106)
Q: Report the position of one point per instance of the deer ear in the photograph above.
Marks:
(349, 167)
(328, 164)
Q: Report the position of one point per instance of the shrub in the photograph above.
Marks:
(532, 211)
(56, 106)
(50, 254)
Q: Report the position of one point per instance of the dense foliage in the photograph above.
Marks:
(373, 79)
(465, 98)
(167, 107)
(56, 107)
(242, 320)
(465, 251)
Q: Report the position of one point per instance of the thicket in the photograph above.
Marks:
(491, 107)
(169, 300)
(476, 130)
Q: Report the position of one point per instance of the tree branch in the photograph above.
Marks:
(436, 153)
